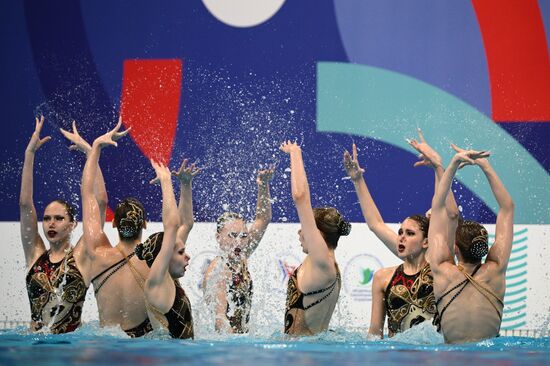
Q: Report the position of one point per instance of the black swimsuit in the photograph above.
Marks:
(180, 318)
(295, 309)
(44, 280)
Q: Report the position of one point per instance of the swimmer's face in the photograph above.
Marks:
(179, 261)
(233, 236)
(56, 223)
(302, 241)
(411, 241)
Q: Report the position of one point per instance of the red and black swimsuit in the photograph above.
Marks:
(56, 293)
(409, 299)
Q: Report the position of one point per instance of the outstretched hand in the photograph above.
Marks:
(36, 142)
(428, 156)
(186, 173)
(112, 136)
(288, 146)
(265, 175)
(469, 157)
(78, 142)
(161, 170)
(351, 164)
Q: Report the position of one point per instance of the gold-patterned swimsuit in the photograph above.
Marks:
(56, 293)
(409, 299)
(239, 297)
(180, 317)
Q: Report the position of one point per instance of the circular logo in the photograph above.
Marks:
(358, 274)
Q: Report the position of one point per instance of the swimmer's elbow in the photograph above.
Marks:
(508, 205)
(298, 194)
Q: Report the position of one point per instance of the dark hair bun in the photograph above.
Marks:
(479, 249)
(344, 228)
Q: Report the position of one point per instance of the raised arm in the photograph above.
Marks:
(185, 175)
(93, 234)
(441, 249)
(263, 209)
(317, 248)
(31, 240)
(372, 216)
(504, 231)
(79, 144)
(159, 275)
(430, 158)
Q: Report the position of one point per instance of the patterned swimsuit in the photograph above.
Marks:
(56, 293)
(409, 299)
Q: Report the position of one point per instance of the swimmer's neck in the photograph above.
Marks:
(468, 266)
(414, 265)
(59, 250)
(128, 245)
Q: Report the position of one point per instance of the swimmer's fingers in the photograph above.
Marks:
(482, 154)
(39, 123)
(413, 143)
(456, 148)
(354, 151)
(421, 136)
(118, 135)
(42, 141)
(78, 142)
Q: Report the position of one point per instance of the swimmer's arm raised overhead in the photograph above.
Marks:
(372, 216)
(79, 144)
(263, 209)
(504, 231)
(93, 234)
(318, 250)
(159, 284)
(185, 175)
(430, 158)
(33, 245)
(441, 249)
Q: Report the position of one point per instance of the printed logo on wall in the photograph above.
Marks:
(286, 264)
(358, 274)
(199, 263)
(515, 300)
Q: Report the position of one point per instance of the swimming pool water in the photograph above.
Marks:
(92, 346)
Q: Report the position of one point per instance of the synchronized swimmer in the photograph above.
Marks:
(136, 282)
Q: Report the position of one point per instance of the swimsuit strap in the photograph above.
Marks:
(111, 266)
(451, 290)
(482, 289)
(115, 267)
(331, 287)
(141, 282)
(464, 283)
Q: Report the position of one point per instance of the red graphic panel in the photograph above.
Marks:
(517, 55)
(150, 101)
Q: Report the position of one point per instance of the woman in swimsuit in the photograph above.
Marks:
(164, 252)
(58, 277)
(314, 287)
(403, 293)
(469, 294)
(227, 282)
